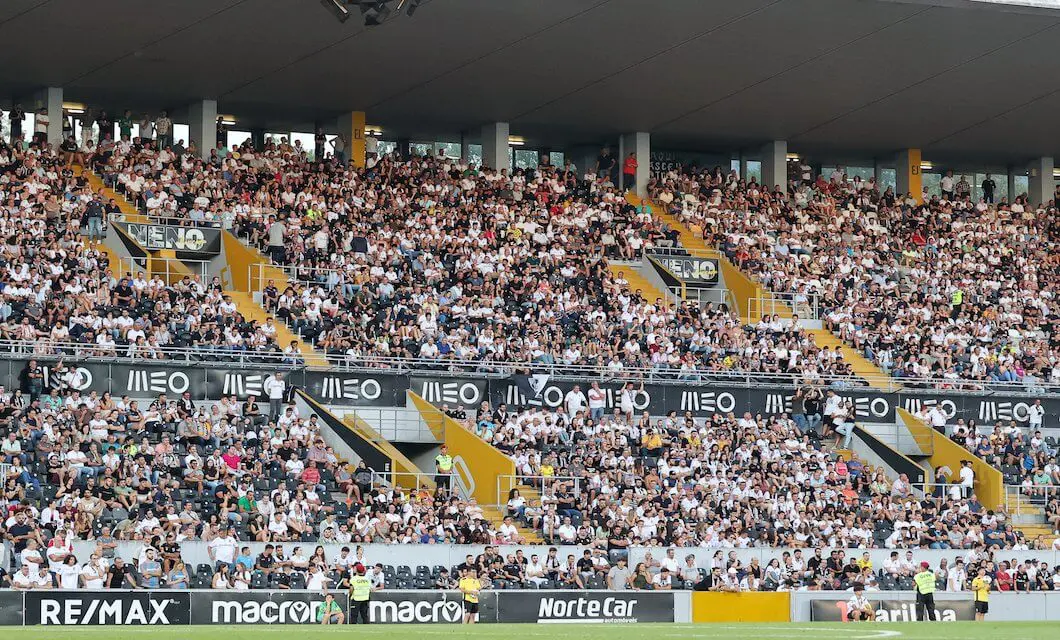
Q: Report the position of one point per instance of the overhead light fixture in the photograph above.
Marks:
(926, 165)
(516, 141)
(375, 12)
(794, 157)
(228, 121)
(372, 130)
(337, 8)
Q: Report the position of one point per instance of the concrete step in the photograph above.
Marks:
(251, 310)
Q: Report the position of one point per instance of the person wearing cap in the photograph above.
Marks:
(360, 594)
(925, 592)
(858, 607)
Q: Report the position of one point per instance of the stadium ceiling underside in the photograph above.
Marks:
(956, 78)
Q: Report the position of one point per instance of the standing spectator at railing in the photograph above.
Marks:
(164, 130)
(967, 478)
(275, 388)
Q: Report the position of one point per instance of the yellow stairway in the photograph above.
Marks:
(251, 310)
(636, 281)
(408, 474)
(479, 468)
(96, 183)
(247, 272)
(747, 293)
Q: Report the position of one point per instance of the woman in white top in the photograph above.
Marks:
(241, 578)
(220, 579)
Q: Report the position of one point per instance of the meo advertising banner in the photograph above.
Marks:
(892, 610)
(557, 607)
(107, 608)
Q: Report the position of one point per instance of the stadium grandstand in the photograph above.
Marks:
(748, 307)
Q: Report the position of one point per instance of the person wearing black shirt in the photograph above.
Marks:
(251, 410)
(605, 163)
(18, 114)
(989, 186)
(118, 574)
(94, 219)
(33, 379)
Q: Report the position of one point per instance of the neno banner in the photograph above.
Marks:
(892, 610)
(155, 237)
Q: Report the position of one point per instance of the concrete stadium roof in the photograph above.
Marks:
(957, 78)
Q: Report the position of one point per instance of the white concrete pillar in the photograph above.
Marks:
(639, 144)
(1040, 181)
(51, 101)
(775, 165)
(495, 146)
(202, 123)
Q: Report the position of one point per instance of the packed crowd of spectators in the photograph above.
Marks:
(954, 289)
(59, 293)
(1026, 458)
(434, 259)
(618, 480)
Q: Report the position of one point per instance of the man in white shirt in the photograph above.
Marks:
(662, 581)
(23, 579)
(967, 476)
(937, 419)
(575, 400)
(957, 576)
(597, 401)
(535, 571)
(670, 561)
(1035, 415)
(566, 531)
(275, 387)
(222, 549)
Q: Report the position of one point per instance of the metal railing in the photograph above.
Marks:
(452, 367)
(505, 484)
(1021, 500)
(397, 425)
(407, 480)
(171, 270)
(172, 221)
(783, 303)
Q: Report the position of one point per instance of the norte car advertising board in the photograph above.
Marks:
(893, 610)
(135, 608)
(558, 607)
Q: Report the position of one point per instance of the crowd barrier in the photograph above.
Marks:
(207, 607)
(195, 552)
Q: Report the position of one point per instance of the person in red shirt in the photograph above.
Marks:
(1003, 578)
(629, 171)
(311, 475)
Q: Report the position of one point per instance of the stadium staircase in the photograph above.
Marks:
(636, 281)
(243, 299)
(247, 272)
(745, 290)
(407, 474)
(472, 449)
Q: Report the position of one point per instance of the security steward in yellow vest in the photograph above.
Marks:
(443, 464)
(925, 592)
(360, 594)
